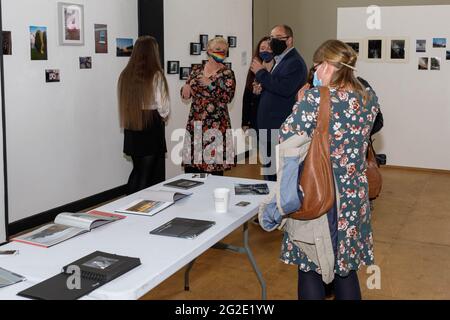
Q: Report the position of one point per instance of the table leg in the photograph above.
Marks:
(186, 275)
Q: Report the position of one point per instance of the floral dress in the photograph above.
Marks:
(208, 145)
(350, 128)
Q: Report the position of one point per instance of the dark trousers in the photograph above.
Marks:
(194, 170)
(267, 143)
(311, 286)
(147, 171)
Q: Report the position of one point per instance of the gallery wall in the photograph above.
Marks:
(415, 103)
(63, 139)
(184, 22)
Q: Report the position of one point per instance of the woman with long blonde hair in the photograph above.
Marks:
(144, 106)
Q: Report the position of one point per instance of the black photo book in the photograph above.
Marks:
(184, 184)
(251, 189)
(95, 269)
(183, 228)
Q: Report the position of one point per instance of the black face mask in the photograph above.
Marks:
(278, 46)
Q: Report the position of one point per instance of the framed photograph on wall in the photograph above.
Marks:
(204, 38)
(421, 46)
(229, 65)
(435, 64)
(52, 75)
(71, 24)
(232, 41)
(196, 49)
(38, 43)
(101, 38)
(7, 43)
(124, 47)
(173, 67)
(398, 50)
(356, 45)
(196, 65)
(184, 73)
(440, 43)
(375, 49)
(423, 63)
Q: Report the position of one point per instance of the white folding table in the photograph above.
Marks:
(161, 257)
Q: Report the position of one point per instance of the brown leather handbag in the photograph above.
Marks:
(373, 173)
(317, 180)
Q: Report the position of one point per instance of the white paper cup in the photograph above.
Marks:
(222, 200)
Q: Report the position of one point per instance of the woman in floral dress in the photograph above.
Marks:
(354, 110)
(208, 145)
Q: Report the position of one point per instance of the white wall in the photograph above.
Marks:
(184, 22)
(415, 104)
(63, 139)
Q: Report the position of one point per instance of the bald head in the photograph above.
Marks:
(285, 33)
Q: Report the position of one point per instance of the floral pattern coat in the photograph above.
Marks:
(209, 116)
(350, 128)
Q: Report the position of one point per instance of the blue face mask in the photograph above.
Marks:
(317, 82)
(266, 56)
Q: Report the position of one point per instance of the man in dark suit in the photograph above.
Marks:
(280, 87)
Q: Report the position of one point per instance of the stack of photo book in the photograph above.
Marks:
(251, 189)
(67, 225)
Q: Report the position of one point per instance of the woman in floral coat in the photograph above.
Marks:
(208, 145)
(354, 110)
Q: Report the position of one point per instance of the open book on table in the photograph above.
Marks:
(66, 226)
(151, 202)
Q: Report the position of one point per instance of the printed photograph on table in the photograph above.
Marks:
(124, 47)
(204, 38)
(375, 50)
(71, 24)
(435, 64)
(101, 38)
(439, 43)
(398, 50)
(38, 43)
(423, 63)
(421, 46)
(232, 41)
(173, 67)
(196, 49)
(52, 75)
(85, 62)
(7, 43)
(184, 73)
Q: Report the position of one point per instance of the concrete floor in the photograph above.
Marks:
(412, 247)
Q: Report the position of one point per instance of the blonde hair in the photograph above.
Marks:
(218, 40)
(136, 86)
(343, 58)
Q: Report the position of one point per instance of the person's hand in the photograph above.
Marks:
(256, 66)
(204, 81)
(301, 93)
(257, 88)
(187, 92)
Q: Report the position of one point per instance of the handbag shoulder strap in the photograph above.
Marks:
(323, 118)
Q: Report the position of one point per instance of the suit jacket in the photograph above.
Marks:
(279, 90)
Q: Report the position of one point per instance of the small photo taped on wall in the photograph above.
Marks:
(184, 73)
(196, 49)
(435, 64)
(173, 67)
(232, 41)
(85, 62)
(448, 55)
(423, 63)
(52, 75)
(421, 46)
(439, 43)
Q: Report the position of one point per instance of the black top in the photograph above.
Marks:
(148, 142)
(250, 109)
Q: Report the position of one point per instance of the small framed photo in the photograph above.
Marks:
(101, 38)
(52, 75)
(375, 49)
(439, 42)
(398, 50)
(435, 64)
(85, 62)
(421, 46)
(219, 35)
(229, 65)
(423, 63)
(196, 65)
(356, 45)
(7, 43)
(447, 55)
(124, 47)
(204, 38)
(71, 24)
(196, 48)
(232, 41)
(173, 67)
(184, 73)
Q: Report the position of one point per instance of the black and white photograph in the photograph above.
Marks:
(196, 49)
(229, 65)
(184, 73)
(85, 62)
(232, 41)
(204, 38)
(421, 46)
(448, 55)
(355, 45)
(423, 63)
(398, 50)
(196, 65)
(173, 67)
(7, 43)
(439, 43)
(375, 49)
(435, 64)
(52, 75)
